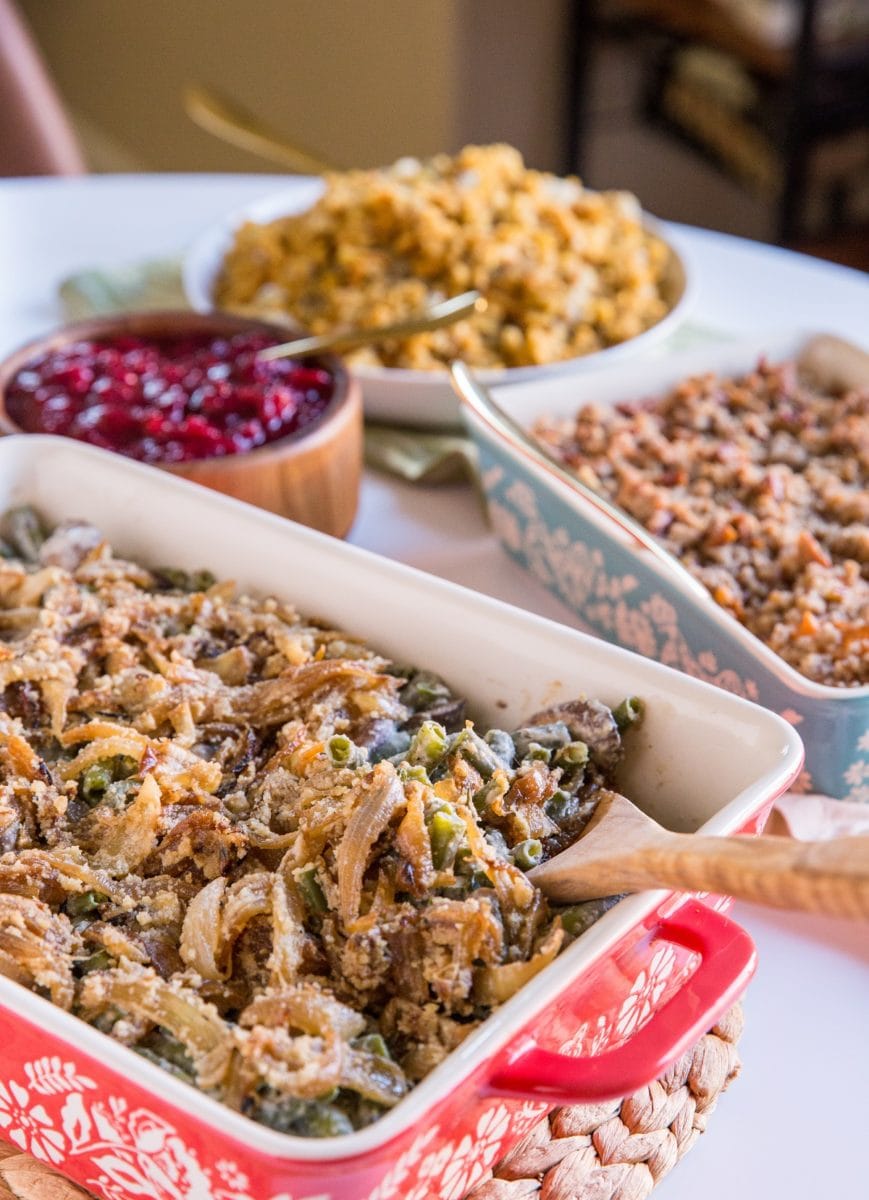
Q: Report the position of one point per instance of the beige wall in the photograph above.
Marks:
(510, 57)
(357, 81)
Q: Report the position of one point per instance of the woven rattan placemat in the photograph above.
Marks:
(616, 1151)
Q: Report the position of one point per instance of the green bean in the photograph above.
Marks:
(629, 712)
(311, 891)
(422, 690)
(579, 917)
(537, 753)
(560, 805)
(173, 577)
(480, 879)
(574, 754)
(429, 744)
(324, 1120)
(445, 830)
(502, 746)
(310, 1118)
(341, 750)
(169, 1051)
(464, 861)
(373, 1043)
(475, 751)
(165, 1064)
(410, 771)
(282, 1113)
(498, 842)
(95, 781)
(22, 529)
(366, 1112)
(106, 1021)
(184, 581)
(489, 793)
(482, 799)
(84, 904)
(428, 697)
(97, 778)
(527, 854)
(201, 581)
(6, 550)
(100, 960)
(552, 736)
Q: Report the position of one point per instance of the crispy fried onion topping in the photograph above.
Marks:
(194, 1022)
(37, 947)
(298, 1039)
(215, 918)
(52, 875)
(179, 772)
(495, 984)
(127, 838)
(381, 800)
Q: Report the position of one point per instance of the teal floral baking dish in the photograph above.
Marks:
(624, 586)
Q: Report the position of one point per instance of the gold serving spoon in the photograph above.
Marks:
(227, 120)
(623, 850)
(445, 312)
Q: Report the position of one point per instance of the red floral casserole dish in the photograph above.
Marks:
(606, 1017)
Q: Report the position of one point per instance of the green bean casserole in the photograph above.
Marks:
(263, 856)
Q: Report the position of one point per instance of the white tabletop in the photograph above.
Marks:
(793, 1125)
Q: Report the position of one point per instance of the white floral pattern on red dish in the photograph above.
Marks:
(128, 1151)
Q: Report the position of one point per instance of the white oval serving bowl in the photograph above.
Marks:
(423, 399)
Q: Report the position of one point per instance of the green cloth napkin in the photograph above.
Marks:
(415, 455)
(132, 288)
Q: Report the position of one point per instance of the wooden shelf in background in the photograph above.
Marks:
(850, 249)
(706, 21)
(709, 22)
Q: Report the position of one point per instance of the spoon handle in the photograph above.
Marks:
(835, 364)
(228, 121)
(446, 312)
(825, 877)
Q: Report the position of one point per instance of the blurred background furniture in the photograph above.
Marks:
(773, 92)
(36, 137)
(359, 83)
(681, 101)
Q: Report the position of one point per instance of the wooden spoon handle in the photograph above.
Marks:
(834, 364)
(830, 877)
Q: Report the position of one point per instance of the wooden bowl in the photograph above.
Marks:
(311, 476)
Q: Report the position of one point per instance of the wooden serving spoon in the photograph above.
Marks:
(623, 850)
(834, 364)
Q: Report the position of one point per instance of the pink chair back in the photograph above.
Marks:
(36, 137)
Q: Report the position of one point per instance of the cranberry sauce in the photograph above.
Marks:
(169, 399)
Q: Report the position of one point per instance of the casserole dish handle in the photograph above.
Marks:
(727, 962)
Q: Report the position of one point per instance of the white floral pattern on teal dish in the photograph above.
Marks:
(617, 595)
